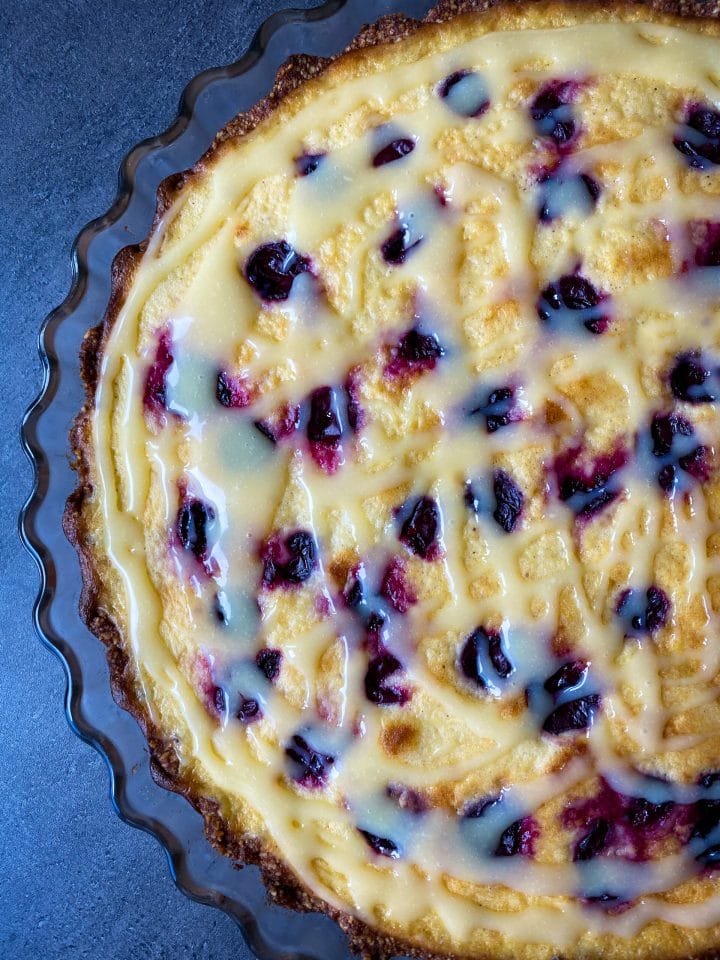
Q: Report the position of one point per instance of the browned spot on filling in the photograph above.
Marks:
(400, 737)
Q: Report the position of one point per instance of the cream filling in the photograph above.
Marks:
(481, 252)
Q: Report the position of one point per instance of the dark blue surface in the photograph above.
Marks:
(82, 81)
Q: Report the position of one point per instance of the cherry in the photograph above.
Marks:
(509, 501)
(307, 163)
(309, 766)
(518, 839)
(422, 529)
(395, 150)
(272, 268)
(289, 563)
(381, 845)
(573, 715)
(155, 399)
(268, 662)
(643, 616)
(377, 690)
(399, 244)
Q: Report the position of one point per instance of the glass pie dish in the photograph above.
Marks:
(209, 101)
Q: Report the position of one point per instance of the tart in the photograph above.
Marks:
(398, 504)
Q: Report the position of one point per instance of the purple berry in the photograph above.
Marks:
(308, 163)
(291, 562)
(381, 845)
(399, 244)
(518, 839)
(706, 818)
(232, 391)
(309, 766)
(643, 616)
(415, 353)
(377, 690)
(689, 379)
(663, 430)
(248, 710)
(573, 295)
(324, 422)
(551, 112)
(499, 409)
(699, 138)
(586, 488)
(155, 399)
(422, 530)
(395, 150)
(272, 268)
(509, 501)
(221, 608)
(465, 93)
(643, 814)
(569, 676)
(573, 715)
(268, 662)
(594, 840)
(194, 519)
(708, 779)
(483, 645)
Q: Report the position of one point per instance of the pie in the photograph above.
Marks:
(399, 502)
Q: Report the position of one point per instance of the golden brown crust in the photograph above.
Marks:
(283, 886)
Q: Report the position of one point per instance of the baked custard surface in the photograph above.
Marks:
(399, 507)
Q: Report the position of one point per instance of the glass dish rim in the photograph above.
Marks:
(195, 867)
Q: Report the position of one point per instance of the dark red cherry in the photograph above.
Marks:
(291, 562)
(708, 779)
(561, 192)
(248, 710)
(572, 295)
(569, 676)
(395, 150)
(706, 817)
(193, 522)
(324, 421)
(518, 839)
(593, 842)
(643, 814)
(643, 615)
(499, 409)
(573, 715)
(377, 689)
(155, 399)
(308, 163)
(551, 112)
(232, 391)
(422, 530)
(272, 268)
(268, 662)
(309, 767)
(414, 353)
(691, 379)
(399, 244)
(705, 236)
(699, 138)
(482, 651)
(663, 430)
(381, 845)
(509, 501)
(588, 488)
